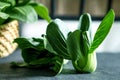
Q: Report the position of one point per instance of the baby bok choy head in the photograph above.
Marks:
(82, 45)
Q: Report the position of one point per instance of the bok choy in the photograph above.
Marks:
(82, 44)
(59, 44)
(36, 56)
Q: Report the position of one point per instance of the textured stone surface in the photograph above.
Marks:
(108, 69)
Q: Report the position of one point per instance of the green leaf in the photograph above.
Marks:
(62, 27)
(78, 44)
(24, 43)
(84, 22)
(73, 45)
(3, 5)
(58, 64)
(23, 13)
(85, 43)
(42, 11)
(75, 49)
(36, 43)
(14, 64)
(11, 2)
(3, 17)
(41, 61)
(56, 39)
(22, 2)
(48, 46)
(30, 54)
(102, 30)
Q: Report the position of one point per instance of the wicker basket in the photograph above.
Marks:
(8, 32)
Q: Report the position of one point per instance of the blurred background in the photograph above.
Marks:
(70, 10)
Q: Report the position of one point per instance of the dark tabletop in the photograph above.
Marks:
(108, 69)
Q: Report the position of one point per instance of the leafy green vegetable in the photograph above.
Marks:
(24, 13)
(82, 61)
(36, 56)
(59, 44)
(81, 46)
(42, 11)
(56, 38)
(23, 10)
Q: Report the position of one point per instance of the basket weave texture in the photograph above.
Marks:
(8, 32)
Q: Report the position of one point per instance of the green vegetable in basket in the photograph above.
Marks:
(22, 10)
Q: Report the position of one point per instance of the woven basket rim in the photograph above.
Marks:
(12, 21)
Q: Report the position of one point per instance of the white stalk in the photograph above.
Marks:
(90, 66)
